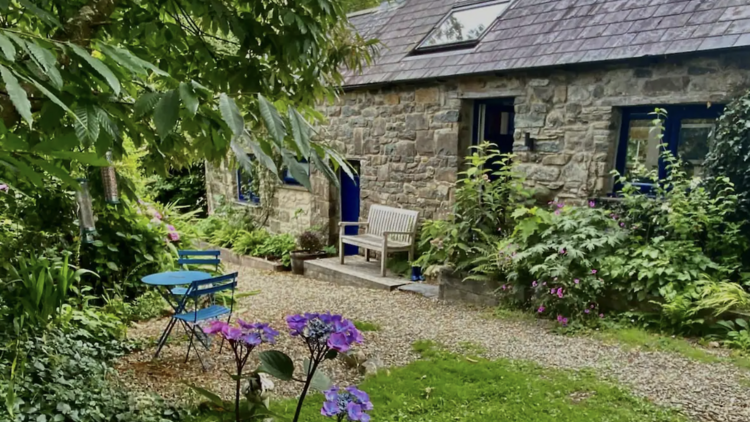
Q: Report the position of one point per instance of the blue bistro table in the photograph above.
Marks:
(166, 281)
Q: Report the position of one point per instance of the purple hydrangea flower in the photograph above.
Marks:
(534, 283)
(250, 334)
(592, 204)
(562, 251)
(540, 310)
(586, 311)
(4, 187)
(552, 291)
(170, 227)
(351, 403)
(504, 287)
(333, 331)
(560, 293)
(173, 236)
(557, 212)
(576, 281)
(593, 271)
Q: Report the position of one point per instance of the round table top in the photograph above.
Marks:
(175, 278)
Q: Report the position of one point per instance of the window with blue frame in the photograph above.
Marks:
(686, 135)
(245, 186)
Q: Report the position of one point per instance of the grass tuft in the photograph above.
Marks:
(366, 326)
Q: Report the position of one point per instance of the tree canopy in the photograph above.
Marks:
(184, 79)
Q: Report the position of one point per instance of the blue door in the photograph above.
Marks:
(350, 204)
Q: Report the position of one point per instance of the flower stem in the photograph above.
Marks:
(313, 367)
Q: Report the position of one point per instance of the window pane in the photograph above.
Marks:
(693, 143)
(464, 25)
(643, 145)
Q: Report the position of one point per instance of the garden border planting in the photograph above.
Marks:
(228, 255)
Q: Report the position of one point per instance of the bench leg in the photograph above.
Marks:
(367, 255)
(383, 262)
(341, 252)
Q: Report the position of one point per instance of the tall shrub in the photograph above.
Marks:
(486, 194)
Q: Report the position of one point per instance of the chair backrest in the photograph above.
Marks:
(212, 253)
(191, 261)
(206, 258)
(218, 284)
(388, 219)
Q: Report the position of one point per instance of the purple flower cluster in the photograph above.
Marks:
(4, 187)
(349, 403)
(250, 334)
(333, 331)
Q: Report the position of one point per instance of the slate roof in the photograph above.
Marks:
(539, 33)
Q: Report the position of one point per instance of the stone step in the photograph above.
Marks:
(355, 272)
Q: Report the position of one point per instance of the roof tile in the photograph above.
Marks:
(550, 32)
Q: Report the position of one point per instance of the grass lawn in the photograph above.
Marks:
(444, 387)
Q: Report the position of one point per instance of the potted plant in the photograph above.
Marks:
(310, 247)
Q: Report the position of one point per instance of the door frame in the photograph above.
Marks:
(479, 115)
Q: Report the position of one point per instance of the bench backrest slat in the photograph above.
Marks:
(389, 219)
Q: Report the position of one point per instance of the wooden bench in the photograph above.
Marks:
(388, 229)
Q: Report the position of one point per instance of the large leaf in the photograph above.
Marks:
(264, 159)
(189, 98)
(58, 172)
(99, 66)
(47, 62)
(343, 165)
(272, 118)
(166, 113)
(124, 58)
(276, 364)
(40, 13)
(320, 381)
(231, 115)
(17, 95)
(301, 131)
(300, 171)
(145, 104)
(8, 49)
(53, 98)
(87, 125)
(325, 168)
(24, 169)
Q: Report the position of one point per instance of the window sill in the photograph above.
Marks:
(294, 187)
(246, 204)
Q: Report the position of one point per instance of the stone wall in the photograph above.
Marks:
(294, 209)
(409, 138)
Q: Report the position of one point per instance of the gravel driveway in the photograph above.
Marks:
(706, 392)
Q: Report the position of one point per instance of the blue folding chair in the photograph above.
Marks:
(190, 318)
(184, 259)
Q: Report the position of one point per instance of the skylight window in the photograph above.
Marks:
(463, 27)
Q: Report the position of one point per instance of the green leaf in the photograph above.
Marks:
(40, 13)
(56, 171)
(231, 115)
(276, 364)
(213, 398)
(8, 49)
(124, 58)
(145, 104)
(112, 266)
(99, 66)
(331, 354)
(98, 243)
(264, 159)
(150, 66)
(24, 169)
(272, 119)
(301, 131)
(47, 62)
(341, 161)
(297, 169)
(189, 98)
(166, 113)
(53, 98)
(320, 381)
(17, 95)
(89, 158)
(87, 125)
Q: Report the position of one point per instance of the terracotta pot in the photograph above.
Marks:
(299, 258)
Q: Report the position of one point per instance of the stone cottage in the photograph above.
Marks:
(566, 85)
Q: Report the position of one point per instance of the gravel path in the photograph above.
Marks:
(706, 392)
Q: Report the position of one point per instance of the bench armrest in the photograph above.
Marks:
(352, 223)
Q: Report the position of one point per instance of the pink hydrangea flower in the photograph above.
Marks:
(4, 187)
(557, 212)
(560, 293)
(601, 315)
(593, 271)
(173, 236)
(540, 310)
(586, 311)
(552, 291)
(562, 251)
(576, 281)
(503, 287)
(533, 283)
(170, 227)
(592, 204)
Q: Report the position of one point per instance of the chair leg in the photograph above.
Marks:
(164, 336)
(190, 345)
(383, 263)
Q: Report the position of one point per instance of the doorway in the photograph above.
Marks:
(493, 122)
(350, 204)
